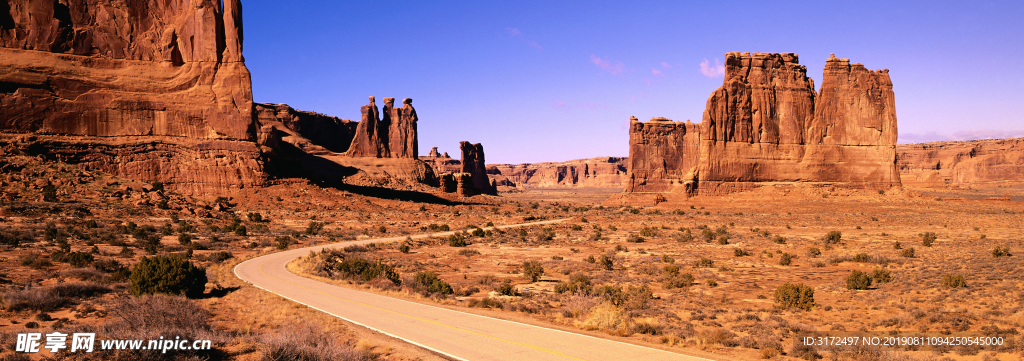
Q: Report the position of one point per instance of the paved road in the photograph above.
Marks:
(459, 335)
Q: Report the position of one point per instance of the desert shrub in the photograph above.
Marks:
(364, 270)
(506, 289)
(486, 303)
(630, 298)
(858, 280)
(667, 259)
(707, 235)
(686, 236)
(804, 351)
(607, 262)
(723, 240)
(34, 261)
(704, 262)
(670, 269)
(1001, 252)
(533, 270)
(632, 238)
(814, 252)
(604, 317)
(382, 229)
(168, 275)
(307, 342)
(404, 247)
(255, 217)
(861, 257)
(646, 328)
(833, 237)
(928, 238)
(647, 232)
(881, 275)
(50, 298)
(678, 280)
(953, 281)
(241, 231)
(436, 228)
(740, 252)
(779, 239)
(432, 284)
(578, 283)
(908, 252)
(184, 239)
(897, 245)
(282, 242)
(457, 240)
(590, 259)
(79, 259)
(794, 295)
(786, 259)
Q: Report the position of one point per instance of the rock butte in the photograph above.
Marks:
(961, 163)
(766, 123)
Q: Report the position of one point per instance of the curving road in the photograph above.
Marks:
(456, 334)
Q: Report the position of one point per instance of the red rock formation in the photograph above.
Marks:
(602, 172)
(474, 164)
(332, 133)
(402, 137)
(964, 163)
(141, 69)
(366, 142)
(766, 124)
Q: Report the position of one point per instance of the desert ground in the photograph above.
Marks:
(697, 276)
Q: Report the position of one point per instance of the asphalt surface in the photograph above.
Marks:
(455, 334)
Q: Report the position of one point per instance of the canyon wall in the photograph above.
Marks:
(601, 172)
(332, 133)
(961, 163)
(165, 77)
(766, 123)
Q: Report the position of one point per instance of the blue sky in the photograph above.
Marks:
(538, 81)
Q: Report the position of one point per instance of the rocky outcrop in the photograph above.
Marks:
(442, 163)
(961, 163)
(601, 172)
(473, 163)
(394, 136)
(332, 133)
(767, 124)
(156, 74)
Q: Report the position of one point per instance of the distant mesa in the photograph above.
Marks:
(766, 123)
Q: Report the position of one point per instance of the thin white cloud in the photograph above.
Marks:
(657, 72)
(666, 65)
(712, 71)
(614, 69)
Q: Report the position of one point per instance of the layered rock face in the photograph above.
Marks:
(394, 136)
(333, 133)
(473, 163)
(943, 164)
(162, 74)
(599, 172)
(767, 124)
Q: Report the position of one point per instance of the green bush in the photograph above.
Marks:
(282, 242)
(740, 252)
(79, 259)
(881, 275)
(432, 283)
(240, 231)
(457, 240)
(533, 270)
(577, 283)
(506, 289)
(404, 248)
(185, 239)
(167, 274)
(364, 270)
(858, 280)
(704, 262)
(797, 295)
(953, 281)
(833, 237)
(786, 259)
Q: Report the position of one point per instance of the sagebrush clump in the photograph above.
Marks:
(794, 295)
(172, 275)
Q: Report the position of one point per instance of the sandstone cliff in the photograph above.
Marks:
(332, 133)
(162, 75)
(766, 123)
(962, 163)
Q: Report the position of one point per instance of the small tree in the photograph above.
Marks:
(797, 295)
(858, 280)
(533, 270)
(167, 274)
